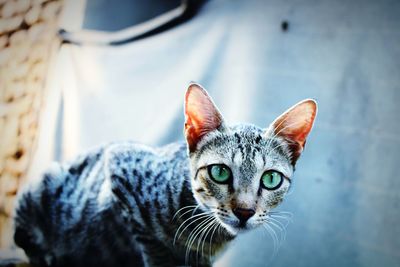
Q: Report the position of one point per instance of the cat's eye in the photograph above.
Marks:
(219, 173)
(271, 180)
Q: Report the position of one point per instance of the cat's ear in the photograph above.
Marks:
(201, 115)
(295, 124)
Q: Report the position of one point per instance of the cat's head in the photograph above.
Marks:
(240, 173)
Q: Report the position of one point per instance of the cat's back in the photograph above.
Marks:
(73, 204)
(55, 205)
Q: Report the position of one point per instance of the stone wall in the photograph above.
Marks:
(28, 42)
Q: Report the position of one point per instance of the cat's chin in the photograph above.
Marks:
(231, 230)
(237, 229)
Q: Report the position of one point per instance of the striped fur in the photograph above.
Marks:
(127, 204)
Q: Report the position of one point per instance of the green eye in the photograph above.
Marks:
(219, 173)
(271, 180)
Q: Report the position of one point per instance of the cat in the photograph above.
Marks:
(127, 204)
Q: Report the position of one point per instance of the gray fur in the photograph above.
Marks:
(123, 204)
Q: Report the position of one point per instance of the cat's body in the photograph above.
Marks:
(127, 204)
(84, 208)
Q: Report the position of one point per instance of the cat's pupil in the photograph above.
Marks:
(271, 180)
(219, 173)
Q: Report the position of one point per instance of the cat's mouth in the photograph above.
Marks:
(234, 226)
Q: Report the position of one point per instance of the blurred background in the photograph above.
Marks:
(76, 74)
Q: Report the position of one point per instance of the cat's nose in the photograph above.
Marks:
(243, 214)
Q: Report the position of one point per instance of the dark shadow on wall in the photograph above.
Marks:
(108, 17)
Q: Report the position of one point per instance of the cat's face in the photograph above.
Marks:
(240, 173)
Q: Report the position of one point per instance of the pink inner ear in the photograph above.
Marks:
(296, 123)
(202, 116)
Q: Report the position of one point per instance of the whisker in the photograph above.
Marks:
(183, 214)
(281, 213)
(201, 215)
(278, 225)
(273, 236)
(277, 238)
(284, 225)
(282, 234)
(286, 217)
(195, 229)
(274, 253)
(195, 233)
(186, 207)
(203, 237)
(217, 226)
(192, 236)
